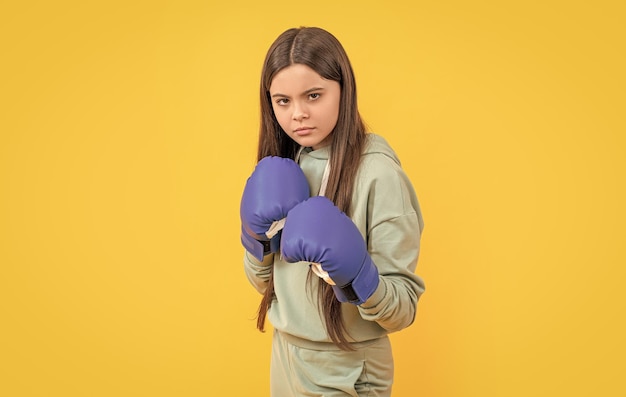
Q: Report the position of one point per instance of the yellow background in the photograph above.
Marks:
(127, 131)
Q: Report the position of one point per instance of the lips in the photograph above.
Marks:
(303, 130)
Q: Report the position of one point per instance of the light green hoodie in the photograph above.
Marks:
(387, 213)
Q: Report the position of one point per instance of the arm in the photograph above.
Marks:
(258, 273)
(389, 216)
(394, 246)
(318, 232)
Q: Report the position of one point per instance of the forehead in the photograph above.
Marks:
(296, 78)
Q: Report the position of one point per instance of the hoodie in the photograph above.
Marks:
(387, 213)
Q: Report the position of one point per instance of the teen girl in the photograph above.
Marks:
(331, 226)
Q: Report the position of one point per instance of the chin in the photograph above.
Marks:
(305, 141)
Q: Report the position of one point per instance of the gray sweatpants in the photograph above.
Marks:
(304, 368)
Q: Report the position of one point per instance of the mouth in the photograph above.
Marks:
(303, 130)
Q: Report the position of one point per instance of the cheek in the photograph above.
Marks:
(282, 117)
(333, 114)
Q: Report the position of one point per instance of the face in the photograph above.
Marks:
(306, 105)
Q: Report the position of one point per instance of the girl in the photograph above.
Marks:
(336, 270)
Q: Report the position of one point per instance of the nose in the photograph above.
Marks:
(300, 112)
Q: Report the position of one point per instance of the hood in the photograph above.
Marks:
(376, 144)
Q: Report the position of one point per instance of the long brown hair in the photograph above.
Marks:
(322, 52)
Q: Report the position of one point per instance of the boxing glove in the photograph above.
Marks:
(316, 231)
(276, 185)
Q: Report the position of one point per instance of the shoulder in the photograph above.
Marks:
(382, 183)
(383, 193)
(379, 161)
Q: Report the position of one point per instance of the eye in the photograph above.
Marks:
(314, 95)
(282, 101)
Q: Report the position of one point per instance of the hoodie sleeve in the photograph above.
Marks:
(393, 225)
(394, 251)
(258, 273)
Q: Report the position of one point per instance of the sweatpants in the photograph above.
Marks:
(304, 368)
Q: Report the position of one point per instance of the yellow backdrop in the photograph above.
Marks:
(128, 130)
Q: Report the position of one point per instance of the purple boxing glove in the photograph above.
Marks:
(275, 187)
(317, 231)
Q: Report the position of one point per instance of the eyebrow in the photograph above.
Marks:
(310, 90)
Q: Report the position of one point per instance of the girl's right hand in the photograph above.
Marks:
(274, 188)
